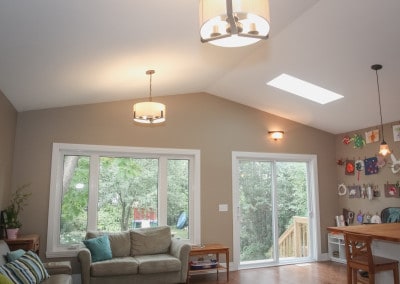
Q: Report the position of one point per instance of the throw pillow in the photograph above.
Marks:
(26, 269)
(99, 248)
(150, 240)
(14, 255)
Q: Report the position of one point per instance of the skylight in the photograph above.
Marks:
(304, 89)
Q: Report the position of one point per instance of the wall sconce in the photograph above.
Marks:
(276, 135)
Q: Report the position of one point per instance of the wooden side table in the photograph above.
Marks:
(210, 249)
(25, 242)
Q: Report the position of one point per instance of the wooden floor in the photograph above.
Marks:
(326, 272)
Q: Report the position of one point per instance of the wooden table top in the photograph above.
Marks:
(385, 232)
(209, 247)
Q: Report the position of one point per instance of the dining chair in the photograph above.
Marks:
(359, 257)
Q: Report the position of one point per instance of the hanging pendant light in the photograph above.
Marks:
(384, 147)
(234, 23)
(149, 112)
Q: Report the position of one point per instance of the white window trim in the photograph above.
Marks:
(59, 149)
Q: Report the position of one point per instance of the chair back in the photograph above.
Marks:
(358, 251)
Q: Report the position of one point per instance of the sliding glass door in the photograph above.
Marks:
(273, 201)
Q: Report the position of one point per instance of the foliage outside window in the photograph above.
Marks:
(118, 189)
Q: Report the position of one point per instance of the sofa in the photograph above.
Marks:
(51, 272)
(145, 255)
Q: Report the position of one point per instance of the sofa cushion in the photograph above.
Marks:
(3, 251)
(116, 266)
(120, 242)
(26, 269)
(58, 279)
(158, 263)
(150, 240)
(99, 248)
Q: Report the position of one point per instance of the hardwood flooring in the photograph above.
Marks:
(326, 272)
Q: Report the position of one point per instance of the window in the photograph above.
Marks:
(120, 188)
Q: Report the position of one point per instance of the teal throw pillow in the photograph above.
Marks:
(14, 255)
(26, 269)
(99, 247)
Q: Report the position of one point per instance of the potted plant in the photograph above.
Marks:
(17, 203)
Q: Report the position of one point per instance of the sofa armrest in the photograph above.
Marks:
(180, 249)
(85, 259)
(58, 267)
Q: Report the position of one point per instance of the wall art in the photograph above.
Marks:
(372, 136)
(396, 132)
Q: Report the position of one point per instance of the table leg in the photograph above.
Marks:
(217, 254)
(227, 264)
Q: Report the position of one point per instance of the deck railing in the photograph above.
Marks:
(294, 241)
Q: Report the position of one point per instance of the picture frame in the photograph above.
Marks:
(391, 190)
(396, 132)
(354, 191)
(372, 136)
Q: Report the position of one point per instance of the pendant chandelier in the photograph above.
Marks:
(234, 23)
(149, 112)
(383, 148)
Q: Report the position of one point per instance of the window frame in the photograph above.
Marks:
(54, 249)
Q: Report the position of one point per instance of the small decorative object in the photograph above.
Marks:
(359, 167)
(349, 170)
(372, 136)
(396, 132)
(370, 193)
(346, 140)
(17, 203)
(360, 217)
(381, 161)
(363, 192)
(368, 218)
(395, 164)
(371, 166)
(354, 191)
(340, 221)
(376, 219)
(359, 142)
(342, 189)
(340, 162)
(391, 190)
(350, 217)
(377, 192)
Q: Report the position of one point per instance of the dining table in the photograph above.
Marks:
(386, 242)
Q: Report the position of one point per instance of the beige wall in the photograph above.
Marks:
(8, 123)
(385, 174)
(195, 121)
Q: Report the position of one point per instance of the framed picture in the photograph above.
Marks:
(391, 190)
(372, 136)
(349, 168)
(354, 191)
(396, 132)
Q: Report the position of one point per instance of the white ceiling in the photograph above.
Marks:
(60, 53)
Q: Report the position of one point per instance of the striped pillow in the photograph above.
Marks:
(28, 269)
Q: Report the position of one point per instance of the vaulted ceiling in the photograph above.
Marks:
(61, 53)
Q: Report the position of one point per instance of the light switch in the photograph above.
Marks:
(223, 207)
